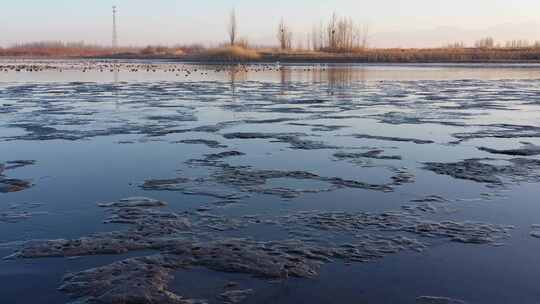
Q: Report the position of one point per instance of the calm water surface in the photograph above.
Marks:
(97, 136)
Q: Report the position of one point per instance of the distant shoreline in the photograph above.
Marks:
(234, 55)
(306, 60)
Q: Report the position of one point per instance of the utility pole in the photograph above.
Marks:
(114, 33)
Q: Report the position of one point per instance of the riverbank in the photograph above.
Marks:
(240, 54)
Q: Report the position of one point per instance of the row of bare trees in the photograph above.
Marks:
(343, 34)
(485, 43)
(232, 29)
(489, 42)
(340, 34)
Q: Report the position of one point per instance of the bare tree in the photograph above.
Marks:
(455, 45)
(516, 44)
(233, 27)
(344, 35)
(284, 36)
(317, 37)
(485, 43)
(365, 36)
(340, 34)
(331, 31)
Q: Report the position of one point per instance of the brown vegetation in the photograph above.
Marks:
(229, 53)
(59, 49)
(435, 55)
(241, 52)
(165, 51)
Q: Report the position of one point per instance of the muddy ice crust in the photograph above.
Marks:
(182, 242)
(248, 180)
(390, 138)
(8, 185)
(527, 149)
(438, 300)
(293, 139)
(375, 154)
(480, 170)
(235, 296)
(209, 143)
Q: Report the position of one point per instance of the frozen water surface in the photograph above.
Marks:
(165, 182)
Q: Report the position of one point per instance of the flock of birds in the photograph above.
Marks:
(179, 70)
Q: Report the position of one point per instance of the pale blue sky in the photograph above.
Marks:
(392, 22)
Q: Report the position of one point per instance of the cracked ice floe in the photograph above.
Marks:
(249, 180)
(149, 228)
(235, 296)
(18, 212)
(165, 184)
(138, 280)
(7, 184)
(427, 204)
(209, 143)
(187, 187)
(536, 232)
(14, 216)
(319, 127)
(222, 155)
(293, 139)
(499, 131)
(423, 117)
(463, 232)
(527, 149)
(479, 170)
(438, 300)
(375, 154)
(214, 159)
(391, 138)
(173, 117)
(147, 278)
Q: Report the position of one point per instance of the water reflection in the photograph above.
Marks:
(340, 78)
(235, 73)
(116, 80)
(285, 77)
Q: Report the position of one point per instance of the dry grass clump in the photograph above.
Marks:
(59, 49)
(450, 55)
(230, 53)
(161, 51)
(435, 55)
(169, 51)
